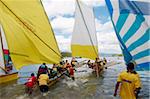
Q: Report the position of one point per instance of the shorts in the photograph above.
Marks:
(44, 88)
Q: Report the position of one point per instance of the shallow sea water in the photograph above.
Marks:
(86, 86)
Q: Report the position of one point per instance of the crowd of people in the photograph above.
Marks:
(45, 75)
(98, 65)
(128, 80)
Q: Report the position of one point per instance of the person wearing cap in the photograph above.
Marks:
(130, 83)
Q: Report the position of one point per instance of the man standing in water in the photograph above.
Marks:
(130, 83)
(42, 68)
(43, 83)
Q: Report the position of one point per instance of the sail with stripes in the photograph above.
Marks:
(84, 41)
(131, 21)
(29, 35)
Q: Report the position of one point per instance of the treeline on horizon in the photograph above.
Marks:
(68, 54)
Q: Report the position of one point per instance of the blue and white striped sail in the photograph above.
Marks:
(131, 21)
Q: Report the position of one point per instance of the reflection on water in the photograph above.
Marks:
(87, 87)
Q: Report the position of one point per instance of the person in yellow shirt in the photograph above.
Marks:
(43, 82)
(64, 67)
(130, 83)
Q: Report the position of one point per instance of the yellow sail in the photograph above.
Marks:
(84, 41)
(86, 51)
(28, 32)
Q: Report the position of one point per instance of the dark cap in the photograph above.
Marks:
(44, 63)
(32, 74)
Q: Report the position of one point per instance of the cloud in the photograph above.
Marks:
(108, 42)
(109, 49)
(64, 43)
(66, 7)
(63, 24)
(61, 13)
(59, 7)
(105, 27)
(94, 2)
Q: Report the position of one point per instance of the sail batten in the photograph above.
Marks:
(84, 40)
(30, 38)
(131, 24)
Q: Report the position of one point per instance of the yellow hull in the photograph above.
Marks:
(8, 77)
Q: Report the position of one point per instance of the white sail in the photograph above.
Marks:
(5, 46)
(84, 41)
(2, 65)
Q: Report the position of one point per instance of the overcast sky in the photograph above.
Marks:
(61, 16)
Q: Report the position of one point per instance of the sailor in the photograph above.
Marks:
(71, 72)
(73, 62)
(30, 84)
(42, 68)
(54, 70)
(130, 83)
(43, 82)
(104, 61)
(63, 62)
(97, 66)
(64, 67)
(59, 67)
(89, 64)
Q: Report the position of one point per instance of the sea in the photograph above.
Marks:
(85, 86)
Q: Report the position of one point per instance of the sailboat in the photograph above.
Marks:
(29, 35)
(84, 40)
(7, 71)
(131, 21)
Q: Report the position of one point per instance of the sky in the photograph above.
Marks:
(61, 17)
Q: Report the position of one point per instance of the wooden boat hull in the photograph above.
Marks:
(8, 77)
(52, 82)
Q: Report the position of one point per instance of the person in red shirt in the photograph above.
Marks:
(71, 72)
(30, 84)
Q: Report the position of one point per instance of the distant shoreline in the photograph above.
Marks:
(69, 54)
